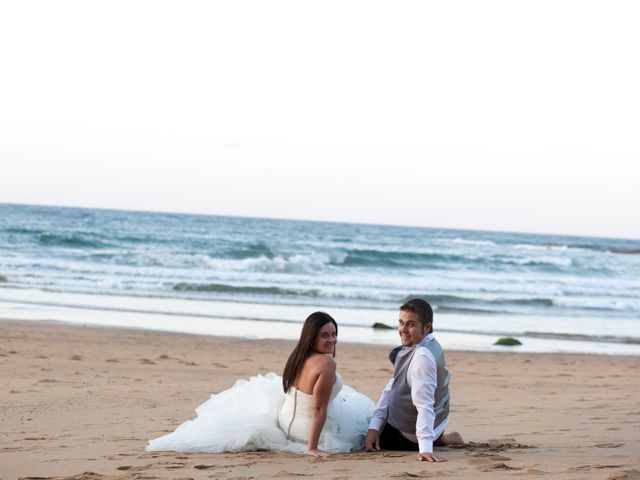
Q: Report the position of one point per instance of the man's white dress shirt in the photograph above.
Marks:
(422, 377)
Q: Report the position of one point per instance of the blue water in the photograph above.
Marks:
(260, 277)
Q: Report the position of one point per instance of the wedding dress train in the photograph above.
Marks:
(257, 415)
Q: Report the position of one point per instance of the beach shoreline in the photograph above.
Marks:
(476, 332)
(82, 401)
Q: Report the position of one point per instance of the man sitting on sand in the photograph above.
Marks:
(413, 409)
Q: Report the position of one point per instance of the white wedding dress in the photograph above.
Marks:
(257, 415)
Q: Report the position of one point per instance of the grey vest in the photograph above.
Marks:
(402, 414)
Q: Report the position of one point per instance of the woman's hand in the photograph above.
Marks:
(317, 453)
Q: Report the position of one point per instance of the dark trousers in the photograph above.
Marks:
(392, 439)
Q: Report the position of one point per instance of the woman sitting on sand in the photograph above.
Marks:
(315, 414)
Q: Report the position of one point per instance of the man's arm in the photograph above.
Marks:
(424, 379)
(379, 418)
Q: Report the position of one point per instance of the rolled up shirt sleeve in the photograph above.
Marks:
(379, 417)
(424, 379)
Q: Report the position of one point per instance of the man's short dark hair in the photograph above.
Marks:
(422, 308)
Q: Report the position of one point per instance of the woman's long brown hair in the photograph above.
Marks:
(304, 348)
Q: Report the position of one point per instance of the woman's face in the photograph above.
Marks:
(326, 339)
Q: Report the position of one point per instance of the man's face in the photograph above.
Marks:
(410, 329)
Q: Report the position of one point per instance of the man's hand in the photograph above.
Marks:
(372, 442)
(430, 457)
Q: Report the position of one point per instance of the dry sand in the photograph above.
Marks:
(81, 402)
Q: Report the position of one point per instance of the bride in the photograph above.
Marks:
(315, 414)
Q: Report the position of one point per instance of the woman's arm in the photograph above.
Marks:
(319, 404)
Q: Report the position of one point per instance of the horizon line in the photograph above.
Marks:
(342, 222)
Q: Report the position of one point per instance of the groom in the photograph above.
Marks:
(413, 409)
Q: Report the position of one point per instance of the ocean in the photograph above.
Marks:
(260, 278)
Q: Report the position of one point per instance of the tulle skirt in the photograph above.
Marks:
(245, 417)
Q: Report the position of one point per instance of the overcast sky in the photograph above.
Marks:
(497, 115)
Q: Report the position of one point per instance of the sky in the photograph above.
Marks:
(494, 115)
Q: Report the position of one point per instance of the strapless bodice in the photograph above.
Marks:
(295, 415)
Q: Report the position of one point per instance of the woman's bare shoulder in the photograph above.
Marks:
(322, 363)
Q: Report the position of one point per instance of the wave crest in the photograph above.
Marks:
(224, 288)
(74, 240)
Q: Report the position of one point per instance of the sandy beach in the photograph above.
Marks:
(81, 402)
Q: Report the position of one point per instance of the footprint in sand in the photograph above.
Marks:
(625, 475)
(405, 475)
(533, 471)
(76, 357)
(491, 445)
(284, 473)
(189, 364)
(80, 476)
(135, 474)
(116, 456)
(146, 361)
(392, 455)
(491, 456)
(244, 464)
(582, 468)
(49, 380)
(479, 461)
(497, 467)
